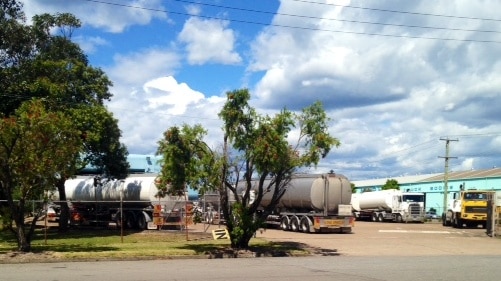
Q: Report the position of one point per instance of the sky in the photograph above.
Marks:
(399, 79)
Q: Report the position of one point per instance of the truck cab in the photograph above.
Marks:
(413, 207)
(468, 207)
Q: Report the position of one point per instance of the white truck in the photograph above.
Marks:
(314, 203)
(132, 202)
(389, 205)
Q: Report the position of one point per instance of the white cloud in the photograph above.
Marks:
(165, 91)
(161, 103)
(90, 44)
(390, 98)
(209, 41)
(112, 18)
(143, 65)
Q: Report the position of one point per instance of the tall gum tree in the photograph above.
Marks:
(263, 159)
(40, 61)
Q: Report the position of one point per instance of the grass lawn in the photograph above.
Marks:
(101, 244)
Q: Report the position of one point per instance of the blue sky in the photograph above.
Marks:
(396, 77)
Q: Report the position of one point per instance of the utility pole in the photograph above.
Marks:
(446, 171)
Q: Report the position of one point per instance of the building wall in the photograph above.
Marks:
(434, 191)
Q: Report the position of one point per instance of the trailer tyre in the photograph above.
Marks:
(374, 217)
(141, 222)
(130, 220)
(305, 224)
(295, 223)
(118, 220)
(285, 223)
(380, 218)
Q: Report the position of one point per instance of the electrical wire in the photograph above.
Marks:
(303, 27)
(343, 20)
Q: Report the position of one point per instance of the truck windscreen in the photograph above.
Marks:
(413, 198)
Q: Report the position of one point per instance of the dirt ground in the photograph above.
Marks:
(396, 239)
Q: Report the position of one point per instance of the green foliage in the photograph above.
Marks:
(390, 184)
(35, 145)
(37, 64)
(187, 160)
(259, 148)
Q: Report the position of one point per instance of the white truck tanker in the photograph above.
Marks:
(388, 205)
(133, 202)
(314, 203)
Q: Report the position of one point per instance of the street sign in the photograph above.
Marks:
(220, 234)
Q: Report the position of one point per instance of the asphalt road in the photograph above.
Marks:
(457, 268)
(374, 251)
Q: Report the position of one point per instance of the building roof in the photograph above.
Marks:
(472, 174)
(400, 180)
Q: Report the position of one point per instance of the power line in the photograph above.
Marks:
(342, 20)
(300, 27)
(400, 12)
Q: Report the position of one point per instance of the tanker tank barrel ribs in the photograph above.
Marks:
(130, 203)
(313, 203)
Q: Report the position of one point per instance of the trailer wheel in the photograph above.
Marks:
(130, 220)
(374, 217)
(305, 224)
(209, 217)
(141, 222)
(285, 223)
(295, 223)
(118, 220)
(380, 218)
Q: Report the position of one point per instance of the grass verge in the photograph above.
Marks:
(49, 245)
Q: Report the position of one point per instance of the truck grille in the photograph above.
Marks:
(481, 210)
(415, 209)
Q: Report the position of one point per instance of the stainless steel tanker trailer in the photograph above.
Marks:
(132, 202)
(314, 203)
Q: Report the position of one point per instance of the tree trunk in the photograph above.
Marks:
(64, 214)
(243, 241)
(23, 243)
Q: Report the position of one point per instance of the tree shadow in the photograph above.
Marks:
(272, 249)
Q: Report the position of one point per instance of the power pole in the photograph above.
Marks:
(446, 171)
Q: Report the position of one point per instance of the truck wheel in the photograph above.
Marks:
(398, 218)
(374, 217)
(305, 224)
(295, 223)
(285, 223)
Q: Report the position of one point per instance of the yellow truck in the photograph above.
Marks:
(467, 208)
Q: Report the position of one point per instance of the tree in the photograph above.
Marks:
(390, 184)
(262, 154)
(36, 63)
(35, 145)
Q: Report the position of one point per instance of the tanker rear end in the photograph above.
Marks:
(314, 203)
